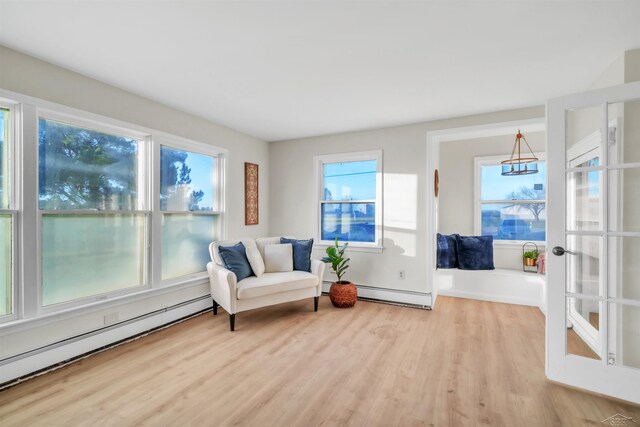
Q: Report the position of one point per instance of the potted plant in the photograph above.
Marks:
(529, 258)
(343, 294)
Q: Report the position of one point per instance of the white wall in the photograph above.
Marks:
(457, 185)
(405, 194)
(30, 76)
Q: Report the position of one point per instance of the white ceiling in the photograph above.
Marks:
(281, 70)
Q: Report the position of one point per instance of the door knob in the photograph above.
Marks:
(559, 251)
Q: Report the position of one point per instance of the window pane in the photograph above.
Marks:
(85, 169)
(186, 181)
(624, 335)
(87, 255)
(514, 221)
(498, 187)
(185, 243)
(5, 265)
(584, 200)
(354, 222)
(4, 159)
(350, 180)
(583, 268)
(583, 328)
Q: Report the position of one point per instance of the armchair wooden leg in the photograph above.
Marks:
(232, 322)
(315, 303)
(215, 307)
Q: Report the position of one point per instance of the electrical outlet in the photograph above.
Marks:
(111, 318)
(401, 275)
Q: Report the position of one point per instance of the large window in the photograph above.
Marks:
(6, 217)
(350, 198)
(510, 208)
(92, 211)
(190, 202)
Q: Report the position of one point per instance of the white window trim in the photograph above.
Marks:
(28, 309)
(142, 208)
(220, 197)
(14, 203)
(319, 161)
(477, 217)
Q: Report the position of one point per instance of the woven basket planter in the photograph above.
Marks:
(343, 295)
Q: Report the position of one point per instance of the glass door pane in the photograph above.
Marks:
(583, 328)
(624, 335)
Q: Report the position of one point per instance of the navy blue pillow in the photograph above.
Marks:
(235, 259)
(475, 252)
(301, 253)
(447, 252)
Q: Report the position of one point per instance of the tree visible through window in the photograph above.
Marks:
(85, 169)
(187, 198)
(88, 252)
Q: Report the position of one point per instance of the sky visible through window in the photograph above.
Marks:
(350, 180)
(186, 180)
(202, 176)
(498, 187)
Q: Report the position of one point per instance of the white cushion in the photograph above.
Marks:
(273, 283)
(261, 242)
(255, 260)
(278, 258)
(215, 253)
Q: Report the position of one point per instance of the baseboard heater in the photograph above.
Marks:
(390, 296)
(202, 302)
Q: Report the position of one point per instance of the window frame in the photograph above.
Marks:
(219, 200)
(479, 162)
(14, 208)
(143, 207)
(319, 162)
(27, 312)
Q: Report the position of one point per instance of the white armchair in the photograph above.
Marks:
(263, 290)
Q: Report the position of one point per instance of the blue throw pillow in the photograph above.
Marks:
(235, 259)
(301, 253)
(475, 252)
(447, 252)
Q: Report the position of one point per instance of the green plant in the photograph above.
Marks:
(531, 254)
(339, 264)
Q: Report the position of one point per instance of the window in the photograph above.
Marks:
(99, 209)
(92, 211)
(510, 208)
(190, 202)
(349, 198)
(7, 217)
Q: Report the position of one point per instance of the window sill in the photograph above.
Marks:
(518, 243)
(352, 248)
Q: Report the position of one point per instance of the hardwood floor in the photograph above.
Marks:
(466, 363)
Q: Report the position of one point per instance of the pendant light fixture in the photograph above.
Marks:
(518, 165)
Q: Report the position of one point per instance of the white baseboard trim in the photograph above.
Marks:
(488, 297)
(391, 295)
(54, 354)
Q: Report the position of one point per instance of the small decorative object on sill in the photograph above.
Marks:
(541, 262)
(343, 294)
(530, 257)
(517, 163)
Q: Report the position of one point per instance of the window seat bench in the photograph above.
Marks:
(499, 285)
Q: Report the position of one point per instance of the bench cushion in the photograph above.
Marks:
(273, 283)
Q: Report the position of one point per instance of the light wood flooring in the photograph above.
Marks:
(466, 363)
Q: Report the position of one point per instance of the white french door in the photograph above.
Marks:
(593, 167)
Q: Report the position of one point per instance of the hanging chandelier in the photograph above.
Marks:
(518, 165)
